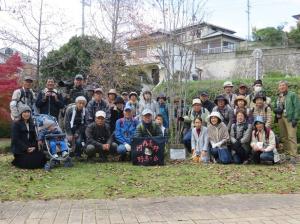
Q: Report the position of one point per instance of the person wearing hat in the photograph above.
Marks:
(263, 143)
(262, 109)
(77, 89)
(163, 109)
(75, 124)
(96, 104)
(148, 103)
(21, 97)
(196, 111)
(243, 88)
(49, 100)
(218, 137)
(133, 103)
(240, 103)
(257, 88)
(228, 93)
(116, 112)
(125, 131)
(225, 110)
(99, 138)
(148, 128)
(125, 96)
(206, 103)
(24, 144)
(240, 137)
(287, 112)
(111, 97)
(89, 92)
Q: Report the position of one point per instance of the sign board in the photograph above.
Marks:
(148, 151)
(178, 154)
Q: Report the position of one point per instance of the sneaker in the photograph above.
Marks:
(65, 154)
(55, 156)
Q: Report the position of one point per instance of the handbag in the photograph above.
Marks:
(224, 155)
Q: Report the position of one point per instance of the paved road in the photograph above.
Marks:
(238, 209)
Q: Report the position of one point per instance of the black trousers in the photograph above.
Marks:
(34, 160)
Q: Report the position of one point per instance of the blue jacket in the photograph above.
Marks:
(163, 110)
(125, 130)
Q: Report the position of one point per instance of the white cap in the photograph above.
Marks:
(100, 113)
(196, 101)
(227, 83)
(147, 111)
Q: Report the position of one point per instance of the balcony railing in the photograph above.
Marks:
(217, 50)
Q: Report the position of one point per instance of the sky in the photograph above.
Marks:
(230, 14)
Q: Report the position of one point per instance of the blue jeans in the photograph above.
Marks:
(61, 143)
(187, 140)
(263, 157)
(121, 149)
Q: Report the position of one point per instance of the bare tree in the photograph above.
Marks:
(33, 29)
(181, 21)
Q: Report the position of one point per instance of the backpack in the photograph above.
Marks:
(22, 96)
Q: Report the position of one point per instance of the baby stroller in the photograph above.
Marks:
(42, 122)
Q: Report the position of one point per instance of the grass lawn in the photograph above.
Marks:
(122, 180)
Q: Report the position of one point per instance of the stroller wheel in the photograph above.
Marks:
(68, 163)
(47, 167)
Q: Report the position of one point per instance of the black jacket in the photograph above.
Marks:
(115, 115)
(49, 105)
(209, 105)
(75, 92)
(97, 135)
(19, 140)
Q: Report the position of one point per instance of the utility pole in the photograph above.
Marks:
(248, 20)
(84, 3)
(39, 44)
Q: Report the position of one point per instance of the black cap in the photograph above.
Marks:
(259, 81)
(220, 97)
(204, 93)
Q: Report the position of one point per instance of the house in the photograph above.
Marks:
(182, 45)
(29, 67)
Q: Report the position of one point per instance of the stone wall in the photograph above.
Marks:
(242, 63)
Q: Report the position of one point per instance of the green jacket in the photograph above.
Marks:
(292, 106)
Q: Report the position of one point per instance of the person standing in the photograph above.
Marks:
(49, 100)
(228, 93)
(77, 90)
(206, 103)
(22, 97)
(287, 112)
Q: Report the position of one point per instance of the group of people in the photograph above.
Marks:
(234, 128)
(237, 127)
(95, 125)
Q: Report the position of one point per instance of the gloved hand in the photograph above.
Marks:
(294, 123)
(128, 147)
(218, 144)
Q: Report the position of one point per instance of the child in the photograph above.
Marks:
(199, 142)
(160, 120)
(50, 127)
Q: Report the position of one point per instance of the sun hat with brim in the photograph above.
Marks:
(220, 97)
(215, 114)
(119, 100)
(161, 96)
(196, 101)
(133, 94)
(124, 94)
(28, 78)
(259, 95)
(112, 91)
(204, 93)
(240, 97)
(147, 92)
(99, 90)
(100, 113)
(227, 84)
(147, 111)
(243, 85)
(24, 109)
(259, 119)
